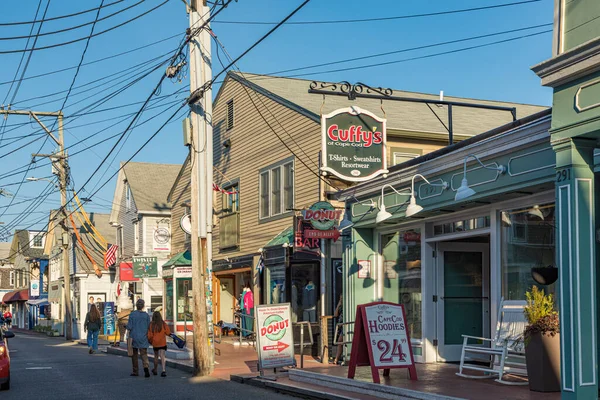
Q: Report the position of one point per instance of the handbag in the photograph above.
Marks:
(130, 347)
(179, 342)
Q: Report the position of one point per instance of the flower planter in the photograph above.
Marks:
(542, 355)
(544, 275)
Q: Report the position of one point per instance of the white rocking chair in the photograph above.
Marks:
(505, 353)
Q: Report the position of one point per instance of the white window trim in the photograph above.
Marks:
(269, 172)
(127, 196)
(402, 154)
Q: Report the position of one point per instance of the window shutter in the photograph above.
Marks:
(230, 114)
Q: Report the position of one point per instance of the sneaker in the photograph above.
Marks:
(146, 373)
(163, 374)
(134, 374)
(90, 350)
(154, 371)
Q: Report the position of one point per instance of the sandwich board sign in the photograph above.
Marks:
(381, 340)
(275, 339)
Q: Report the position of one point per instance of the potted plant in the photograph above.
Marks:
(542, 342)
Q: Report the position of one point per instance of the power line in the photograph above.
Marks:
(127, 52)
(86, 38)
(73, 27)
(422, 47)
(361, 20)
(59, 17)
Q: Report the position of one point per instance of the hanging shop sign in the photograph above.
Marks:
(145, 267)
(364, 269)
(324, 218)
(275, 342)
(34, 288)
(381, 340)
(126, 272)
(186, 223)
(301, 241)
(353, 144)
(161, 239)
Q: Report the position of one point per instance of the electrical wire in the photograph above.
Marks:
(52, 46)
(362, 20)
(59, 17)
(74, 27)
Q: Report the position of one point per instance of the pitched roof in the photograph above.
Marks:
(401, 115)
(100, 222)
(23, 238)
(150, 184)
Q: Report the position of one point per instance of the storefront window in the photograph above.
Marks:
(402, 275)
(305, 292)
(184, 291)
(276, 289)
(527, 242)
(169, 299)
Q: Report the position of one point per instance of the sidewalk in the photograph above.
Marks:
(435, 382)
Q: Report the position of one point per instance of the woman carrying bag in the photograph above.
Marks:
(157, 336)
(93, 324)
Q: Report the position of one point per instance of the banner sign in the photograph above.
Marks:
(275, 340)
(34, 288)
(145, 267)
(126, 272)
(354, 144)
(381, 340)
(109, 318)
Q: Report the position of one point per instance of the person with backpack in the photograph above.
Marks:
(157, 336)
(93, 324)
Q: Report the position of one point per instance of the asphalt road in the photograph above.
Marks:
(49, 368)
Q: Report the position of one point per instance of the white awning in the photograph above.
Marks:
(38, 302)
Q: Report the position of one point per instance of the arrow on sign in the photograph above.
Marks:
(279, 347)
(316, 234)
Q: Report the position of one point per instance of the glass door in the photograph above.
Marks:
(462, 296)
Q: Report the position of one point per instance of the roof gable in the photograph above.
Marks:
(150, 184)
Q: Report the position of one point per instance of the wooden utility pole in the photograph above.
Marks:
(59, 162)
(201, 181)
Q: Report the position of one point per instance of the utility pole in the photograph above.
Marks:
(201, 180)
(62, 171)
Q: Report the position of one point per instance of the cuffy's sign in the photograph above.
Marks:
(353, 144)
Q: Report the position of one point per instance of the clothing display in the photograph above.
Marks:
(309, 302)
(294, 303)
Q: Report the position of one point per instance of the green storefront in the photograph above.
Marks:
(471, 237)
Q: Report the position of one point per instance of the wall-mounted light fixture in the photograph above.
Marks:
(413, 208)
(383, 214)
(345, 223)
(464, 190)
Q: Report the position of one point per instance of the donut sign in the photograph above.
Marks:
(275, 340)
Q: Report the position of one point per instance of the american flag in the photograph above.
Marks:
(110, 257)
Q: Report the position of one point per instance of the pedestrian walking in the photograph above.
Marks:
(93, 323)
(339, 316)
(157, 335)
(137, 328)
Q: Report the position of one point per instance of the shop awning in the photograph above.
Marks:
(38, 302)
(286, 236)
(183, 259)
(16, 295)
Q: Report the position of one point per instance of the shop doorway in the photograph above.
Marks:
(462, 301)
(227, 299)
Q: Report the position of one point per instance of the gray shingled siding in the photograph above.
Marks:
(5, 279)
(126, 220)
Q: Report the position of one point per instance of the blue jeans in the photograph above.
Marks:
(92, 339)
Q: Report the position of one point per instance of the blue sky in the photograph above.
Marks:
(499, 72)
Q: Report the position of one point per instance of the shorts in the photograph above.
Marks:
(160, 348)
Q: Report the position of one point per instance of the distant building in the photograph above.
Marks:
(141, 215)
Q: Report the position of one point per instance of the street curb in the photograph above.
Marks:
(360, 387)
(287, 389)
(170, 363)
